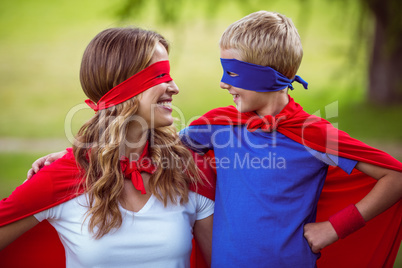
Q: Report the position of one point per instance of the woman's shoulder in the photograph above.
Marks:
(199, 200)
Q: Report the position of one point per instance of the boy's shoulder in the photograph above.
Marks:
(228, 115)
(221, 111)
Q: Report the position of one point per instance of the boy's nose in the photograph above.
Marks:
(224, 85)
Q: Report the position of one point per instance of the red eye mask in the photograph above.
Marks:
(153, 75)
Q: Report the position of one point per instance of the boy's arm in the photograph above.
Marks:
(386, 192)
(12, 231)
(197, 138)
(44, 161)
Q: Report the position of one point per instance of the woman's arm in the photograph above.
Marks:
(12, 231)
(203, 236)
(386, 192)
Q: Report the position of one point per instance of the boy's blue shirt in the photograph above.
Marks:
(267, 189)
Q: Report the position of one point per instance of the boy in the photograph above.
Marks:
(272, 160)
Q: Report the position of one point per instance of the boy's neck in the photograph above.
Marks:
(275, 102)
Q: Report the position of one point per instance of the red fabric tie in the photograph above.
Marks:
(153, 75)
(132, 170)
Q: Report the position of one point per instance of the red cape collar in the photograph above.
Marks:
(230, 116)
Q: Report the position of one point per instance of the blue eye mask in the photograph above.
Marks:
(255, 77)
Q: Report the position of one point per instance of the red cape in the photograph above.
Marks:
(375, 245)
(53, 185)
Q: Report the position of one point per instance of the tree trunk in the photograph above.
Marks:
(385, 70)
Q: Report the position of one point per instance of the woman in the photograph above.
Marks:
(137, 209)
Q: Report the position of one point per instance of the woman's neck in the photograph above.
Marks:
(135, 141)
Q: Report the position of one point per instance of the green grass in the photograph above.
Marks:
(14, 167)
(40, 57)
(42, 43)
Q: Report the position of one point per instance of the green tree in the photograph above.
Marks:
(380, 25)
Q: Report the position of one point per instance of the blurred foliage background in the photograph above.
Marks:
(42, 41)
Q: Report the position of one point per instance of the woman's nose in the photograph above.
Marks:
(172, 88)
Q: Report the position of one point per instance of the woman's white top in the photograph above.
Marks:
(155, 236)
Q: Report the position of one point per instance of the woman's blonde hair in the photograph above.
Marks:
(267, 39)
(111, 57)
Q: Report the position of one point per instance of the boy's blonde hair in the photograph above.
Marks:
(267, 39)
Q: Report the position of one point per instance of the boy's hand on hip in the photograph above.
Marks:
(319, 235)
